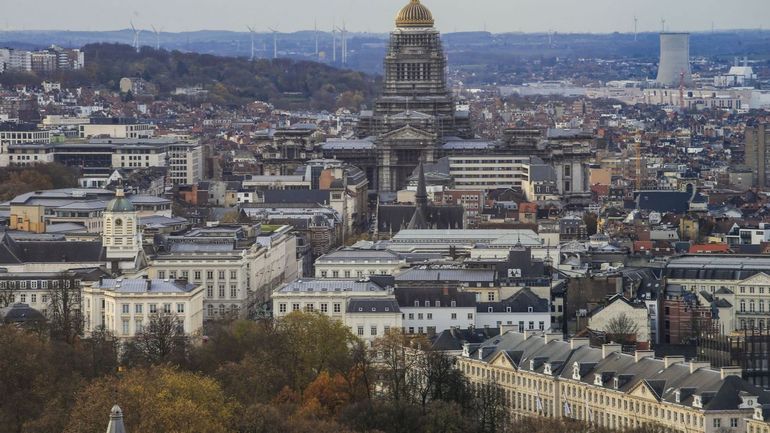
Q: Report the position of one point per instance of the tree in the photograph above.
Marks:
(64, 314)
(159, 399)
(161, 341)
(591, 221)
(622, 329)
(491, 413)
(395, 360)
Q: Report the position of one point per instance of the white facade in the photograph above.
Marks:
(117, 131)
(185, 163)
(121, 237)
(420, 318)
(125, 307)
(351, 263)
(637, 314)
(521, 321)
(489, 172)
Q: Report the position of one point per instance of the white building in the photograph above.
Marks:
(367, 308)
(489, 172)
(618, 306)
(125, 307)
(524, 310)
(433, 310)
(117, 130)
(358, 263)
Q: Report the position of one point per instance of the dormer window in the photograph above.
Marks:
(616, 383)
(438, 303)
(489, 309)
(547, 369)
(678, 396)
(598, 380)
(453, 304)
(416, 303)
(697, 402)
(530, 309)
(427, 303)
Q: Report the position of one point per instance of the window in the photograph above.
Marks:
(209, 292)
(386, 329)
(209, 275)
(430, 316)
(295, 307)
(124, 308)
(233, 292)
(221, 291)
(153, 308)
(180, 308)
(541, 325)
(337, 307)
(491, 296)
(233, 275)
(373, 330)
(360, 331)
(717, 422)
(419, 316)
(221, 275)
(419, 330)
(282, 308)
(167, 308)
(733, 422)
(23, 298)
(411, 316)
(324, 308)
(470, 316)
(323, 274)
(531, 325)
(34, 298)
(335, 274)
(125, 327)
(197, 275)
(310, 308)
(454, 316)
(161, 275)
(347, 274)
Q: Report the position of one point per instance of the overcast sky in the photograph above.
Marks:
(597, 16)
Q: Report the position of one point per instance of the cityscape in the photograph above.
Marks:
(335, 230)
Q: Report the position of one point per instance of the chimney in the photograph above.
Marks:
(668, 361)
(574, 343)
(694, 365)
(641, 354)
(610, 348)
(553, 336)
(724, 372)
(531, 332)
(506, 328)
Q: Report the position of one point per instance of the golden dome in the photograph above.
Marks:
(414, 15)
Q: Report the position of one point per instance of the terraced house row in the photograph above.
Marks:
(542, 375)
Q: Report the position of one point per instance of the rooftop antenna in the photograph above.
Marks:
(136, 36)
(636, 26)
(157, 36)
(251, 33)
(275, 42)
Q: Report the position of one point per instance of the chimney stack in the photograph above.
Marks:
(553, 336)
(641, 354)
(668, 361)
(695, 365)
(610, 348)
(724, 372)
(574, 343)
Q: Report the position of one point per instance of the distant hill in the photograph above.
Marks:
(286, 83)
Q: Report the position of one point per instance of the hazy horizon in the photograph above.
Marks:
(497, 16)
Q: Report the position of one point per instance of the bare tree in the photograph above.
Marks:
(162, 340)
(7, 293)
(64, 315)
(622, 329)
(490, 410)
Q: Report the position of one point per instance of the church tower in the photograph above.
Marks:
(121, 236)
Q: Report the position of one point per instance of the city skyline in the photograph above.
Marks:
(498, 16)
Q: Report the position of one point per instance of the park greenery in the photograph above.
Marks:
(305, 373)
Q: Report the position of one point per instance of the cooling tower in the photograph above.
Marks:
(674, 59)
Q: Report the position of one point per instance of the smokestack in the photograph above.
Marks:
(674, 59)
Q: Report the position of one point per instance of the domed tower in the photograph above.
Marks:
(121, 235)
(416, 110)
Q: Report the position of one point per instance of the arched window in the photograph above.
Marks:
(743, 306)
(751, 306)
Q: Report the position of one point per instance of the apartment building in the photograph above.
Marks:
(541, 375)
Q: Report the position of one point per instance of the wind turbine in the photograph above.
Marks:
(157, 36)
(275, 42)
(344, 42)
(251, 33)
(315, 28)
(136, 36)
(662, 25)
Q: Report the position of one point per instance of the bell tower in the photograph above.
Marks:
(121, 235)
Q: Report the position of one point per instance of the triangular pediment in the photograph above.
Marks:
(408, 132)
(760, 279)
(645, 391)
(502, 360)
